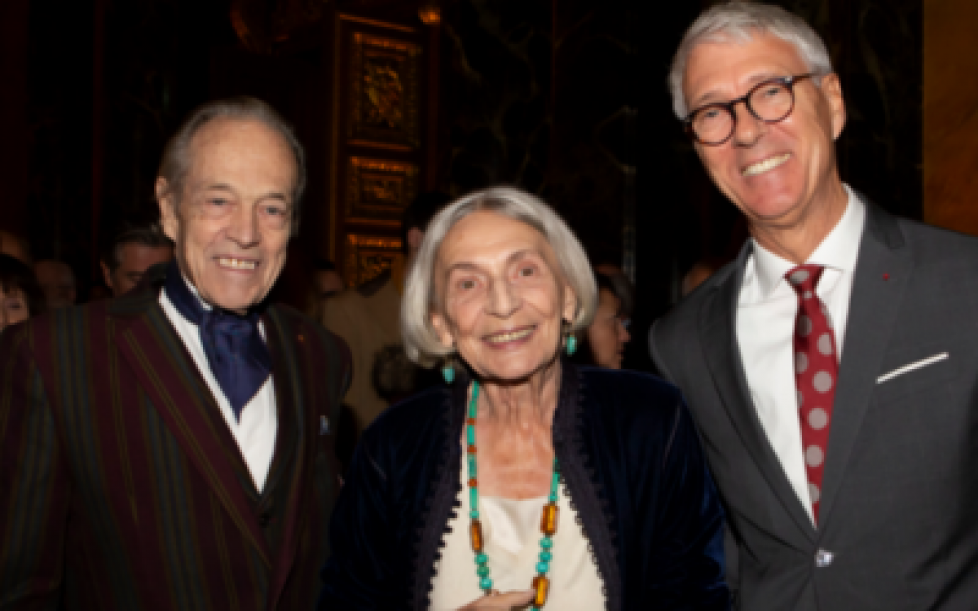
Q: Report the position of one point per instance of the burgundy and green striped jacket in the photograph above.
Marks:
(121, 486)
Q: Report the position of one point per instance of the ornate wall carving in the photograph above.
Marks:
(384, 92)
(367, 256)
(377, 151)
(379, 190)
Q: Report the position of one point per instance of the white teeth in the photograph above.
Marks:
(237, 263)
(509, 337)
(766, 165)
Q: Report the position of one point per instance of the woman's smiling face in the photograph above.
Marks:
(502, 297)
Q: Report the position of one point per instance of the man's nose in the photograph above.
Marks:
(243, 228)
(747, 127)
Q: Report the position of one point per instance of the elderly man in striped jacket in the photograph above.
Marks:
(171, 449)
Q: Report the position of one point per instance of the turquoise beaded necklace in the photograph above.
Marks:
(548, 521)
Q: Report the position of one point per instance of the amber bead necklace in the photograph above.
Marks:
(548, 521)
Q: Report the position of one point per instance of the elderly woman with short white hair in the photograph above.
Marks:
(525, 481)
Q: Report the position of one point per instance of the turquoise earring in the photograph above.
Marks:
(571, 345)
(448, 372)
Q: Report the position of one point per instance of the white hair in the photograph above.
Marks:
(421, 342)
(740, 22)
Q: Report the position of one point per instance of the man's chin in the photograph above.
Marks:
(771, 210)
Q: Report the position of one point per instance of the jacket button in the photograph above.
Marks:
(823, 558)
(263, 520)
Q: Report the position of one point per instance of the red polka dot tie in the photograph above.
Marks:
(816, 372)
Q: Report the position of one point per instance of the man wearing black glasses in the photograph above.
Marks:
(832, 367)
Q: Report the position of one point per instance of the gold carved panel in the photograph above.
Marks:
(378, 191)
(384, 92)
(367, 256)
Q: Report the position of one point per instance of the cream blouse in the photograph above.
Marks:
(511, 529)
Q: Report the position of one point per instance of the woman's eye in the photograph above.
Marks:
(466, 284)
(527, 271)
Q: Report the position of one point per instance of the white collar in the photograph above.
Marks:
(837, 251)
(193, 291)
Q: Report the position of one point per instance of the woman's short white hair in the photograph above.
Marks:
(420, 339)
(741, 22)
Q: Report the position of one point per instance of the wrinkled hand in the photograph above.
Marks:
(501, 602)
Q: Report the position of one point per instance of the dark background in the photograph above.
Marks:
(565, 98)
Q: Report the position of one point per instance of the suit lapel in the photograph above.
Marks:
(718, 330)
(293, 447)
(287, 393)
(882, 274)
(166, 372)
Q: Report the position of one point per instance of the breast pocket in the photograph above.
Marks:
(918, 370)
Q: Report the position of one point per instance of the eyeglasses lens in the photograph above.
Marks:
(770, 102)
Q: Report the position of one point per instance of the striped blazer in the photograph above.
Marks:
(121, 486)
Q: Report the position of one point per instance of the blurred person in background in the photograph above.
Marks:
(20, 296)
(602, 344)
(133, 250)
(329, 282)
(15, 246)
(326, 282)
(367, 318)
(99, 291)
(58, 283)
(699, 273)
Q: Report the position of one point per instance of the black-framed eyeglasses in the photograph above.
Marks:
(770, 101)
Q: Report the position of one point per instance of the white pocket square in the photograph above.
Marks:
(323, 425)
(899, 371)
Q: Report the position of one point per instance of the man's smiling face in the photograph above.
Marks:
(776, 173)
(232, 221)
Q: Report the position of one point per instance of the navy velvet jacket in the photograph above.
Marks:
(632, 464)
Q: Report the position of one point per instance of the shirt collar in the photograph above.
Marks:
(193, 290)
(837, 251)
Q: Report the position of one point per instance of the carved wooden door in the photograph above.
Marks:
(383, 100)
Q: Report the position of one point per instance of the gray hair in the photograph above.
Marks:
(741, 22)
(421, 342)
(176, 154)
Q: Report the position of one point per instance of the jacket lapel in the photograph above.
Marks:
(167, 373)
(293, 447)
(718, 330)
(882, 274)
(287, 393)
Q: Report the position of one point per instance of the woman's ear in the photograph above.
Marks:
(440, 324)
(570, 304)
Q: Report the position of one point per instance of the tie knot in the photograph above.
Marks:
(228, 331)
(804, 278)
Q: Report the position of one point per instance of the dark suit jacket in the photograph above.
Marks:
(630, 460)
(121, 486)
(898, 521)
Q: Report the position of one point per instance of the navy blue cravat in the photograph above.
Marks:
(238, 356)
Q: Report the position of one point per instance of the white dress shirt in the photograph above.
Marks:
(511, 532)
(256, 431)
(766, 315)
